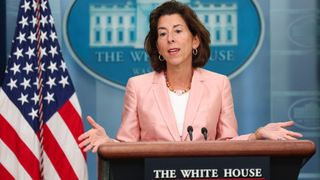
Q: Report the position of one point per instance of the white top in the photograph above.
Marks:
(179, 105)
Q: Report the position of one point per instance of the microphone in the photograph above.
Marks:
(204, 131)
(190, 130)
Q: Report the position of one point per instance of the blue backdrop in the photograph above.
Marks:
(281, 82)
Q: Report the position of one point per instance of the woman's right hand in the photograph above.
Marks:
(94, 137)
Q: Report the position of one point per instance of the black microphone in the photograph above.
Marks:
(190, 130)
(204, 131)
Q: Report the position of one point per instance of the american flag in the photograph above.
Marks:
(20, 151)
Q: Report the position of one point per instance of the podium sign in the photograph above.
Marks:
(209, 160)
(216, 168)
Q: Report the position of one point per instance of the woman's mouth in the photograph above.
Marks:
(173, 51)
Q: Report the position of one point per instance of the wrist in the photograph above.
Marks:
(252, 136)
(257, 134)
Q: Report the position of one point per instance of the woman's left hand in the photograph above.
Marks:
(277, 131)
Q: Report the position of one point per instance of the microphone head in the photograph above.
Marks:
(204, 130)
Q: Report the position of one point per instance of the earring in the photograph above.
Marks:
(195, 51)
(161, 57)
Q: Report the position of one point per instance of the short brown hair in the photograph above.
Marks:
(195, 26)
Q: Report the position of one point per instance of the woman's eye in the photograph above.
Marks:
(162, 34)
(178, 31)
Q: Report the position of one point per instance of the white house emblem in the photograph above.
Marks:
(112, 36)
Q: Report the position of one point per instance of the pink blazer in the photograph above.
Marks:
(148, 115)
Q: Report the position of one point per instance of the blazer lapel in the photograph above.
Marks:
(195, 96)
(162, 98)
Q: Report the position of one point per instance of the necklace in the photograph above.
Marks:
(179, 92)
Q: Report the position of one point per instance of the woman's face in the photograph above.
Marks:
(175, 41)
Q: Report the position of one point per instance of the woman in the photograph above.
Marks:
(159, 106)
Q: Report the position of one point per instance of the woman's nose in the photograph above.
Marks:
(171, 38)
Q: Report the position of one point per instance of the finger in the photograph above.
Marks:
(87, 148)
(286, 124)
(294, 134)
(92, 122)
(95, 149)
(290, 137)
(84, 136)
(84, 143)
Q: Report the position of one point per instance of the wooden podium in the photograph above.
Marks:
(220, 160)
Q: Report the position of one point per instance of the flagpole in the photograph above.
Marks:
(3, 40)
(40, 87)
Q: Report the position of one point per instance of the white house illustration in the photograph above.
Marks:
(127, 24)
(308, 111)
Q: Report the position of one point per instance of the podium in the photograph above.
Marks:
(220, 160)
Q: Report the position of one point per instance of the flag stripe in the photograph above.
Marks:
(5, 174)
(11, 163)
(11, 113)
(49, 170)
(70, 116)
(10, 137)
(57, 124)
(74, 101)
(20, 103)
(56, 156)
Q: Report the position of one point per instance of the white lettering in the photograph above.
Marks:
(137, 71)
(258, 172)
(139, 56)
(214, 173)
(195, 173)
(165, 174)
(157, 172)
(109, 57)
(222, 55)
(227, 172)
(199, 173)
(243, 172)
(236, 173)
(185, 173)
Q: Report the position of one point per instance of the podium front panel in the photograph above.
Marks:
(255, 168)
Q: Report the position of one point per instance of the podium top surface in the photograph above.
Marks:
(290, 148)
